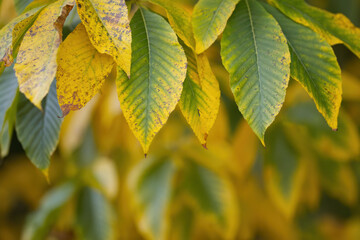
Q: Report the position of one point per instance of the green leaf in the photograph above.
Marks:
(209, 20)
(158, 70)
(335, 28)
(200, 98)
(6, 35)
(151, 184)
(39, 223)
(94, 216)
(107, 25)
(180, 20)
(284, 173)
(8, 97)
(255, 53)
(38, 131)
(20, 5)
(213, 195)
(314, 65)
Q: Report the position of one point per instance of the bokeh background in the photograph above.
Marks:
(304, 185)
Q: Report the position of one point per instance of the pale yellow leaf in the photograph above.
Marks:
(81, 72)
(36, 62)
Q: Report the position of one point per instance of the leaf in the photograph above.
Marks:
(200, 98)
(108, 27)
(82, 70)
(38, 224)
(151, 184)
(213, 196)
(158, 70)
(20, 5)
(335, 28)
(8, 97)
(180, 20)
(36, 62)
(284, 171)
(94, 216)
(314, 65)
(255, 53)
(38, 131)
(6, 36)
(209, 20)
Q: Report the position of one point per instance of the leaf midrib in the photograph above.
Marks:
(256, 53)
(149, 79)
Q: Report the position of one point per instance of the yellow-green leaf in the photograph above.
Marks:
(255, 53)
(200, 98)
(107, 24)
(36, 62)
(335, 28)
(151, 185)
(209, 21)
(6, 35)
(158, 70)
(314, 65)
(81, 72)
(180, 20)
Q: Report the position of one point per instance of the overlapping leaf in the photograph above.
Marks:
(180, 20)
(38, 131)
(200, 98)
(255, 53)
(108, 27)
(36, 62)
(158, 70)
(95, 218)
(151, 185)
(8, 93)
(335, 28)
(38, 224)
(209, 21)
(314, 65)
(81, 70)
(6, 35)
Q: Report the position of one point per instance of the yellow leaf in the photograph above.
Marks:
(180, 20)
(107, 24)
(36, 61)
(81, 72)
(200, 99)
(6, 35)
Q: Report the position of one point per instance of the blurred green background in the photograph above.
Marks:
(304, 185)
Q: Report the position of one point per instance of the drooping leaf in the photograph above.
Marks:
(255, 53)
(6, 36)
(180, 20)
(314, 65)
(39, 223)
(94, 216)
(20, 5)
(36, 61)
(158, 70)
(81, 72)
(284, 172)
(108, 27)
(8, 93)
(209, 20)
(213, 196)
(151, 184)
(335, 28)
(200, 98)
(38, 131)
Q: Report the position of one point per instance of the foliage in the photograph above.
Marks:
(99, 70)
